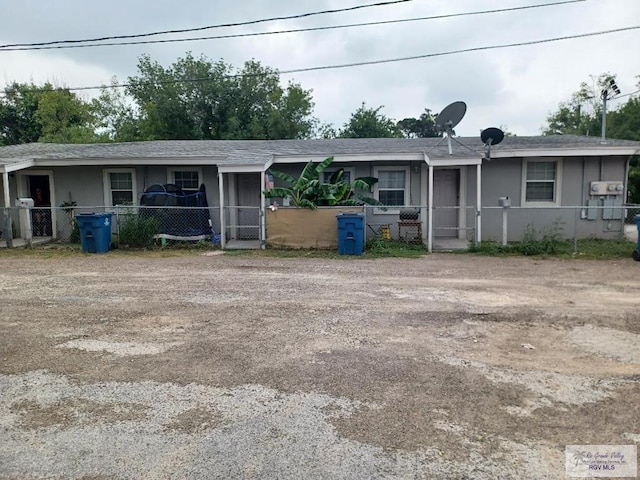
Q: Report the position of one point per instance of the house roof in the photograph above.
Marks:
(260, 152)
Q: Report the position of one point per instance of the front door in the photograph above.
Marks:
(445, 202)
(40, 192)
(248, 188)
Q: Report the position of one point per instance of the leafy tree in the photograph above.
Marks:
(64, 118)
(32, 113)
(582, 115)
(421, 127)
(117, 119)
(196, 98)
(369, 123)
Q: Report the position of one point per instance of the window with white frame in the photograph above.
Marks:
(541, 181)
(120, 187)
(392, 188)
(189, 180)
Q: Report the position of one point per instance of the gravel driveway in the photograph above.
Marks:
(202, 366)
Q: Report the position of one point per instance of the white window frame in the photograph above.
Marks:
(332, 170)
(171, 175)
(557, 188)
(108, 198)
(407, 188)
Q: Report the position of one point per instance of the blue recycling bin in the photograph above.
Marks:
(636, 252)
(95, 232)
(350, 233)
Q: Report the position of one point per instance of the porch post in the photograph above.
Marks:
(223, 231)
(479, 203)
(8, 228)
(430, 235)
(263, 210)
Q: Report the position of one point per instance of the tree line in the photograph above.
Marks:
(192, 99)
(582, 115)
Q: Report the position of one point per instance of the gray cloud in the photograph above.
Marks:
(515, 87)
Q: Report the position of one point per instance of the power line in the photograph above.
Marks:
(209, 27)
(625, 95)
(297, 30)
(370, 62)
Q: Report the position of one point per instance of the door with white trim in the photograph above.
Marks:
(248, 192)
(446, 202)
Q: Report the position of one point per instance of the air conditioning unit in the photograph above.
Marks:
(606, 188)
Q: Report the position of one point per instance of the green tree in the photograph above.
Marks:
(582, 115)
(64, 118)
(116, 117)
(422, 127)
(18, 109)
(196, 98)
(32, 113)
(370, 123)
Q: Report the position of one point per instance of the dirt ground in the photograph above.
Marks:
(219, 366)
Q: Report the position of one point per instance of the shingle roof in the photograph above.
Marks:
(230, 152)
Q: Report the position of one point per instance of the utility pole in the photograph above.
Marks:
(614, 90)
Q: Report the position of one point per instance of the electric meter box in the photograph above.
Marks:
(606, 188)
(24, 202)
(504, 202)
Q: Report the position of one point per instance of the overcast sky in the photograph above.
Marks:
(515, 87)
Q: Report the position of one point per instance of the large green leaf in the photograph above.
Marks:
(284, 176)
(278, 192)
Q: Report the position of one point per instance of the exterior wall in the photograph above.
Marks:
(503, 177)
(85, 185)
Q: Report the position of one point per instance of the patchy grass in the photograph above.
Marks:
(374, 249)
(589, 248)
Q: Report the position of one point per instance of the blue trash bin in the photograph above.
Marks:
(636, 252)
(95, 232)
(350, 233)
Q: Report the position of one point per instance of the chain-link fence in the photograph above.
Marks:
(579, 228)
(243, 224)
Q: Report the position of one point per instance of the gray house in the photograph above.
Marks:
(579, 181)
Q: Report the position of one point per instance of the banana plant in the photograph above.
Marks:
(309, 191)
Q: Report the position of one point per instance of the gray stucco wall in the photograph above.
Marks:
(503, 177)
(85, 186)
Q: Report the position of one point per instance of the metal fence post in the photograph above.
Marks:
(576, 213)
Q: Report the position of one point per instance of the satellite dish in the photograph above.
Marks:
(492, 136)
(450, 116)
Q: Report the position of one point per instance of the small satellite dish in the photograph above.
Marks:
(450, 116)
(492, 136)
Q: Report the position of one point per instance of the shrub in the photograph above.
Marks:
(547, 241)
(138, 231)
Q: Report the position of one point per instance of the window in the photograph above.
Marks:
(393, 186)
(541, 181)
(120, 187)
(188, 180)
(348, 176)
